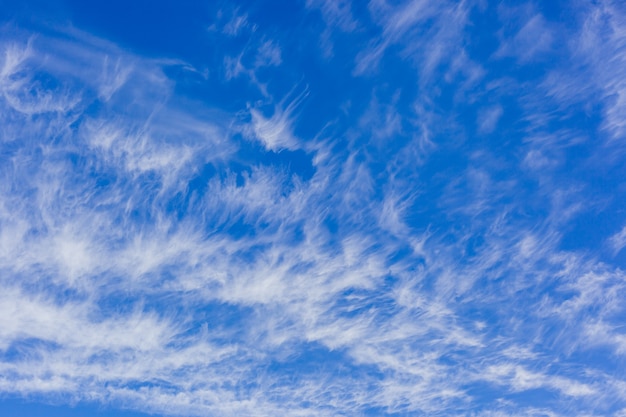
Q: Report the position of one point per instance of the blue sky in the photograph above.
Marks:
(313, 208)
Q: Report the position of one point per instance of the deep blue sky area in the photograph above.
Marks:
(21, 408)
(312, 208)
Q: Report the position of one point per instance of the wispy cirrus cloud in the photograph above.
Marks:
(533, 39)
(337, 16)
(148, 261)
(433, 30)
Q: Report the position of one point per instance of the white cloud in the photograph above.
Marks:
(594, 71)
(268, 55)
(532, 40)
(618, 240)
(129, 277)
(488, 119)
(427, 33)
(338, 16)
(276, 132)
(336, 13)
(522, 379)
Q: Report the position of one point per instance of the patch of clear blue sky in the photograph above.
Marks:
(23, 408)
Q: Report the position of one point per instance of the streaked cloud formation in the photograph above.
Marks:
(399, 208)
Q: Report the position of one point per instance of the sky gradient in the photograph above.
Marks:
(312, 208)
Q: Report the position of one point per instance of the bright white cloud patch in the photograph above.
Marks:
(422, 217)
